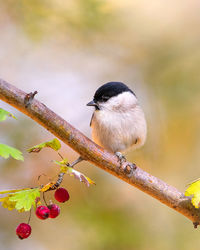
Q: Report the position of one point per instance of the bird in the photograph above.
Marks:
(118, 122)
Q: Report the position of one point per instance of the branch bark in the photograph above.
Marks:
(93, 153)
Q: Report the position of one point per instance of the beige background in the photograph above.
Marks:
(65, 50)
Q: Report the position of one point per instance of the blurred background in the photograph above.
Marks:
(65, 50)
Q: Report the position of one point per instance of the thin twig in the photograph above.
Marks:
(28, 98)
(60, 156)
(61, 174)
(75, 162)
(29, 218)
(43, 196)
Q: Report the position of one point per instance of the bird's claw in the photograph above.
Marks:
(129, 168)
(121, 157)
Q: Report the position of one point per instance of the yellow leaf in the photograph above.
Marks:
(47, 186)
(6, 203)
(54, 144)
(194, 191)
(63, 169)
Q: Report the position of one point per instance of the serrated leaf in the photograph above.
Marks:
(6, 151)
(25, 199)
(72, 172)
(4, 114)
(6, 203)
(54, 144)
(21, 199)
(194, 191)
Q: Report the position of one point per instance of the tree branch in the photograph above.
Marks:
(93, 153)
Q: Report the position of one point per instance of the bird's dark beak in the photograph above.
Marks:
(92, 103)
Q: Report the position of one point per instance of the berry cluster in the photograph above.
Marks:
(23, 230)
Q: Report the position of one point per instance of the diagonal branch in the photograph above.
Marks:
(91, 152)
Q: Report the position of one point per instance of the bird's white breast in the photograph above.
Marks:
(119, 124)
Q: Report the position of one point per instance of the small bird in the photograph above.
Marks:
(118, 121)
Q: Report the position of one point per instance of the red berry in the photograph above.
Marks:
(54, 210)
(42, 212)
(61, 195)
(23, 231)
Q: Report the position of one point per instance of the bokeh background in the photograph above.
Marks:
(65, 50)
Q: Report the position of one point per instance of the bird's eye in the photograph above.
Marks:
(105, 98)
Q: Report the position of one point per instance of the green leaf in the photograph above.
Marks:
(25, 199)
(21, 199)
(4, 114)
(6, 151)
(64, 162)
(194, 191)
(72, 172)
(54, 144)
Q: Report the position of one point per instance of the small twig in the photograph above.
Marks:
(61, 174)
(43, 196)
(29, 98)
(75, 162)
(60, 155)
(29, 218)
(59, 180)
(40, 176)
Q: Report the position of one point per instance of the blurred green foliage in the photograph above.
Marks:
(39, 18)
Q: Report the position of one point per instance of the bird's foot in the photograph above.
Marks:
(121, 157)
(129, 167)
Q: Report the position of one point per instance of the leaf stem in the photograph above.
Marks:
(43, 196)
(78, 160)
(29, 218)
(60, 155)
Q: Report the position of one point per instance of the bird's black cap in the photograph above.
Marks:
(110, 89)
